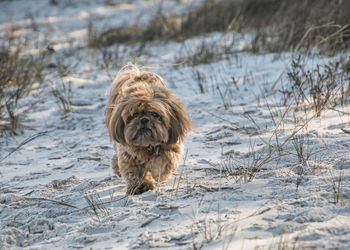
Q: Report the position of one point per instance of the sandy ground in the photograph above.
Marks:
(57, 189)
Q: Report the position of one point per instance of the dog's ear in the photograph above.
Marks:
(179, 121)
(116, 126)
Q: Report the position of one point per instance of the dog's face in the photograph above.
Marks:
(148, 116)
(145, 124)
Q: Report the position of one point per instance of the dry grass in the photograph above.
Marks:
(277, 25)
(324, 86)
(18, 74)
(205, 53)
(310, 92)
(159, 28)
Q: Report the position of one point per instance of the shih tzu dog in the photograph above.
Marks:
(147, 124)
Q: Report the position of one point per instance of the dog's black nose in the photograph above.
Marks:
(144, 120)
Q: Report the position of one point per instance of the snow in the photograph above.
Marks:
(58, 190)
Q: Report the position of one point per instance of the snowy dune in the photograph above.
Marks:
(58, 190)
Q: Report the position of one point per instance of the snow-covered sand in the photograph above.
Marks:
(58, 190)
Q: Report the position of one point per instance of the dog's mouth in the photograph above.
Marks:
(143, 132)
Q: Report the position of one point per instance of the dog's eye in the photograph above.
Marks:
(155, 115)
(134, 115)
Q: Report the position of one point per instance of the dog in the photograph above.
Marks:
(147, 124)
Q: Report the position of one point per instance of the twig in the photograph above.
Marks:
(339, 111)
(181, 173)
(346, 130)
(216, 189)
(109, 202)
(56, 202)
(232, 124)
(150, 220)
(29, 139)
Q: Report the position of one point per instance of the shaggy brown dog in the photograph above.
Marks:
(147, 124)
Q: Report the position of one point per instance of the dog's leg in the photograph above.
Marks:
(146, 183)
(137, 179)
(162, 166)
(114, 165)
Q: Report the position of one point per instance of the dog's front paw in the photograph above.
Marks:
(139, 188)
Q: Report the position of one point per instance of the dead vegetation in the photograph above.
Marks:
(159, 28)
(324, 86)
(308, 92)
(18, 77)
(276, 25)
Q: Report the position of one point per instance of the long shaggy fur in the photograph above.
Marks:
(147, 124)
